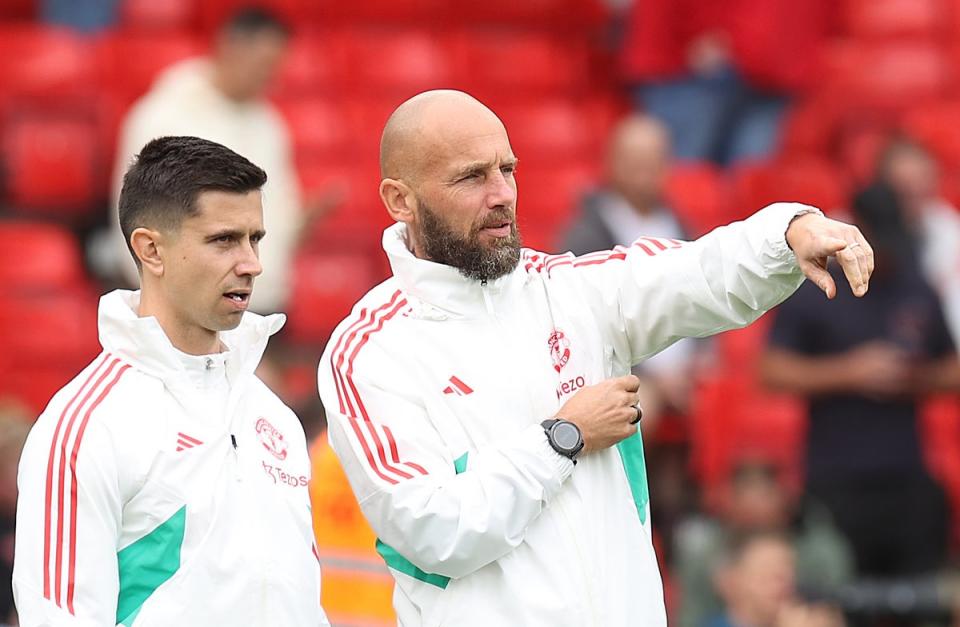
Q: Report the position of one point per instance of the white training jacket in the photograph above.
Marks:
(436, 385)
(136, 509)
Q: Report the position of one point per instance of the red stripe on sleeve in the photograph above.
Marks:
(61, 494)
(47, 512)
(72, 568)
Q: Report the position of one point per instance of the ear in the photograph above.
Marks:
(146, 246)
(399, 200)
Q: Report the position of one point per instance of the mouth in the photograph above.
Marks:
(239, 299)
(498, 229)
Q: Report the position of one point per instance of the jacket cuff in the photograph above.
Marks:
(534, 439)
(775, 220)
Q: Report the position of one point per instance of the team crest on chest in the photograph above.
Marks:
(271, 439)
(559, 349)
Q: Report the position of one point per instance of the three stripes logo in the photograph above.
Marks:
(457, 387)
(185, 442)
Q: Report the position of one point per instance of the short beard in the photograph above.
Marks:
(466, 254)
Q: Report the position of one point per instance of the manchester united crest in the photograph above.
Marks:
(271, 439)
(559, 349)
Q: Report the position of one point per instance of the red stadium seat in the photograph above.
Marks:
(808, 180)
(314, 64)
(327, 285)
(47, 340)
(419, 12)
(696, 192)
(52, 164)
(168, 15)
(551, 130)
(810, 126)
(535, 13)
(875, 19)
(401, 62)
(38, 328)
(129, 62)
(734, 420)
(936, 127)
(893, 75)
(526, 61)
(43, 62)
(39, 256)
(18, 9)
(318, 127)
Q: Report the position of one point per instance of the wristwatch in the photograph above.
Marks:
(564, 437)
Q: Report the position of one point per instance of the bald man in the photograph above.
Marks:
(629, 204)
(479, 398)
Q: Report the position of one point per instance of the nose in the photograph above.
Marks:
(502, 193)
(249, 262)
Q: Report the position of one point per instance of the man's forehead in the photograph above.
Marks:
(460, 150)
(220, 207)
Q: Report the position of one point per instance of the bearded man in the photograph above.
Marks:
(480, 400)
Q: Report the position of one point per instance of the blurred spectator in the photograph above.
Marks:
(83, 15)
(14, 426)
(755, 500)
(756, 580)
(865, 365)
(222, 98)
(915, 176)
(720, 73)
(631, 204)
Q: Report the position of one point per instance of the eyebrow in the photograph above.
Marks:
(235, 234)
(480, 166)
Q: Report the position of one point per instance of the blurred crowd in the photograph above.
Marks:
(804, 471)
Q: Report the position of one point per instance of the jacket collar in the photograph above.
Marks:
(440, 287)
(143, 344)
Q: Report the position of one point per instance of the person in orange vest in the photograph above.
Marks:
(357, 587)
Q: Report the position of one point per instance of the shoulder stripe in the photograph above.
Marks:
(342, 361)
(47, 512)
(72, 569)
(66, 539)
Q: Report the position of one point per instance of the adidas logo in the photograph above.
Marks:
(457, 387)
(184, 442)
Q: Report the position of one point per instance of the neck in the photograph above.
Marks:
(188, 338)
(223, 84)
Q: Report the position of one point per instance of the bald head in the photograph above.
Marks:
(637, 160)
(423, 129)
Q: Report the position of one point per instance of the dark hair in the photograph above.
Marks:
(161, 188)
(254, 20)
(880, 214)
(736, 544)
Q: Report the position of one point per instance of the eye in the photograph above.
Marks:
(256, 239)
(510, 168)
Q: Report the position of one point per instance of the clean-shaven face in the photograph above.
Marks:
(211, 263)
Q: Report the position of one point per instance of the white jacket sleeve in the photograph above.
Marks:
(656, 291)
(444, 522)
(68, 519)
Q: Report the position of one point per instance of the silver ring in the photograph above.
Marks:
(853, 245)
(639, 414)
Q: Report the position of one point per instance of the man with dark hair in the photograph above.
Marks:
(222, 97)
(166, 484)
(461, 391)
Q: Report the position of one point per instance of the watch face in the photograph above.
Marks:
(566, 436)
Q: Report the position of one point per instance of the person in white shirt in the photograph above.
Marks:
(166, 484)
(480, 401)
(221, 97)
